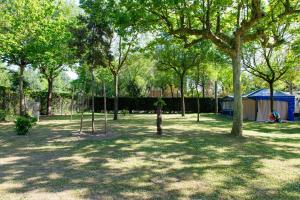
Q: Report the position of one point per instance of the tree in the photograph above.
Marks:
(124, 47)
(5, 77)
(228, 24)
(138, 75)
(53, 52)
(292, 77)
(269, 64)
(172, 56)
(20, 24)
(124, 36)
(82, 88)
(92, 42)
(164, 80)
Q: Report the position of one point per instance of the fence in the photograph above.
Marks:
(61, 102)
(146, 104)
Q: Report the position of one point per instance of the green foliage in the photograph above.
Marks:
(2, 115)
(171, 55)
(24, 124)
(125, 112)
(5, 76)
(138, 71)
(34, 81)
(91, 41)
(52, 52)
(160, 103)
(133, 88)
(21, 24)
(270, 64)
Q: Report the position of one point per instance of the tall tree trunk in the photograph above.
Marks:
(116, 99)
(81, 120)
(105, 108)
(198, 105)
(158, 121)
(82, 105)
(237, 125)
(172, 92)
(49, 96)
(21, 91)
(203, 88)
(82, 111)
(271, 96)
(61, 105)
(182, 96)
(216, 98)
(290, 86)
(72, 104)
(93, 101)
(4, 100)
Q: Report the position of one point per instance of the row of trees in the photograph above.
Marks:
(35, 33)
(191, 43)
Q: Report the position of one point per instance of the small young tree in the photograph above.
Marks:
(124, 36)
(92, 42)
(159, 105)
(124, 47)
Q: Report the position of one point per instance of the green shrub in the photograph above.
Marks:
(2, 115)
(24, 124)
(124, 112)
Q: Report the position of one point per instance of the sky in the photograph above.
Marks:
(71, 74)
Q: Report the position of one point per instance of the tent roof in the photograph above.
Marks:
(262, 94)
(265, 93)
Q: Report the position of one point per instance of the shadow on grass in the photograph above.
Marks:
(192, 163)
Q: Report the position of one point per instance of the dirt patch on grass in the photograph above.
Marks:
(98, 135)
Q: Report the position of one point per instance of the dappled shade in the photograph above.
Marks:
(190, 160)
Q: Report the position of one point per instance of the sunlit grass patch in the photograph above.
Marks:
(189, 161)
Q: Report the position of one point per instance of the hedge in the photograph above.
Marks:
(145, 104)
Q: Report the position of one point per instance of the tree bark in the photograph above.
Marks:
(271, 96)
(116, 99)
(93, 101)
(72, 104)
(237, 125)
(158, 121)
(290, 86)
(182, 96)
(105, 109)
(81, 122)
(4, 100)
(172, 92)
(49, 97)
(21, 91)
(61, 105)
(216, 98)
(203, 88)
(198, 105)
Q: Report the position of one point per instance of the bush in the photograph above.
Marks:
(24, 124)
(2, 115)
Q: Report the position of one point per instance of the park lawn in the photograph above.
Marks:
(190, 161)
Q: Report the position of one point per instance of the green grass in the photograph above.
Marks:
(190, 161)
